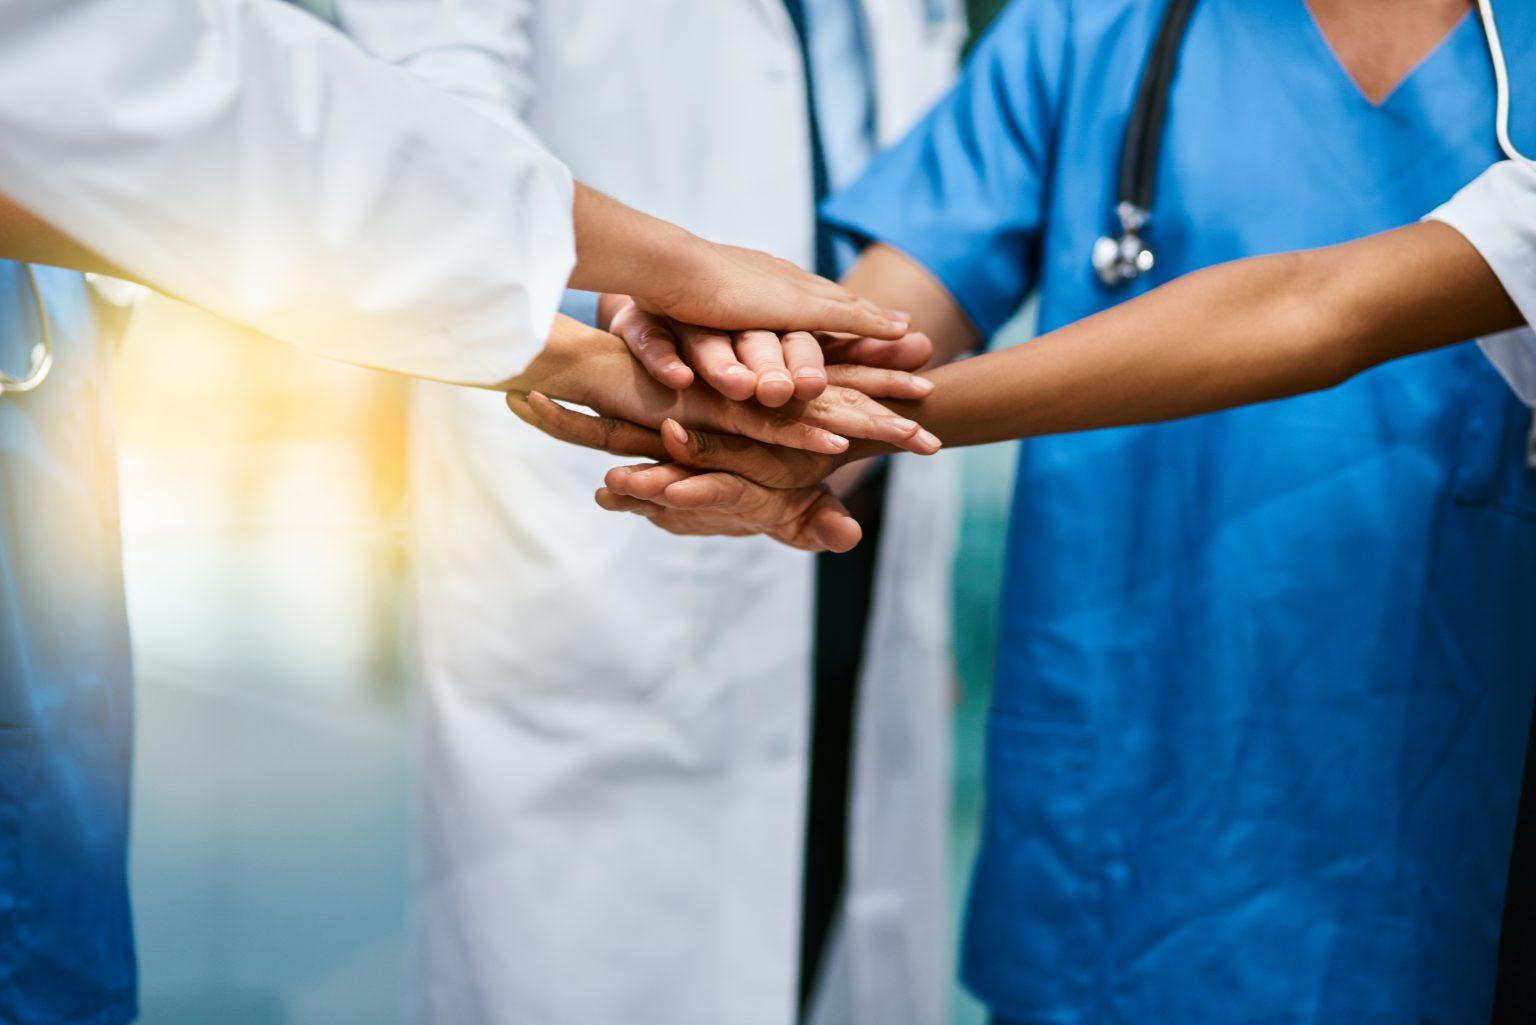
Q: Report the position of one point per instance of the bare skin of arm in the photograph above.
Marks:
(1246, 332)
(25, 239)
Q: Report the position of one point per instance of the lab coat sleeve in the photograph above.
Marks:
(479, 50)
(964, 193)
(244, 157)
(1497, 214)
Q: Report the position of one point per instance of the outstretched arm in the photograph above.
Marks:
(1251, 331)
(249, 160)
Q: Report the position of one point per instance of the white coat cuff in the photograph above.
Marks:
(1497, 214)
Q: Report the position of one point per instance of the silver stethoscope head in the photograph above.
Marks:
(40, 360)
(1127, 256)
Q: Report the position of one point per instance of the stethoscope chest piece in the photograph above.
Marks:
(1124, 257)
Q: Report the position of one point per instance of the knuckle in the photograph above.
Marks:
(782, 422)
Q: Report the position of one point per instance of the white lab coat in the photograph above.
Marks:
(242, 156)
(614, 720)
(1496, 212)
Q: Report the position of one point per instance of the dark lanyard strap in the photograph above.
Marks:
(821, 179)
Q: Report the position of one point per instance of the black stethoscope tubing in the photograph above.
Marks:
(1124, 257)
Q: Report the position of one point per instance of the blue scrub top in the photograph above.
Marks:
(66, 941)
(1265, 677)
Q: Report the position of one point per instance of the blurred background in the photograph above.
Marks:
(263, 512)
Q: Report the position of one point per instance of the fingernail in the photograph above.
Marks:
(904, 425)
(810, 374)
(736, 370)
(674, 430)
(929, 440)
(775, 375)
(675, 365)
(834, 442)
(922, 385)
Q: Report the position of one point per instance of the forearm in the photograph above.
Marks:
(26, 238)
(1245, 332)
(621, 250)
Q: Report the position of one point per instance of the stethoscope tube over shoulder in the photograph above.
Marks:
(40, 359)
(1126, 256)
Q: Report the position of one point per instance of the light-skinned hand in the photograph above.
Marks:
(770, 366)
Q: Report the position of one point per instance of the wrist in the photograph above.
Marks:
(573, 359)
(673, 261)
(621, 250)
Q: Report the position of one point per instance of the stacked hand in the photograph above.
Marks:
(742, 465)
(741, 365)
(745, 418)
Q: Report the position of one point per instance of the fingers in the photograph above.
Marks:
(773, 427)
(647, 481)
(854, 315)
(822, 524)
(772, 465)
(600, 432)
(763, 354)
(830, 527)
(623, 503)
(652, 342)
(909, 352)
(856, 415)
(721, 492)
(713, 357)
(878, 383)
(724, 504)
(650, 481)
(806, 364)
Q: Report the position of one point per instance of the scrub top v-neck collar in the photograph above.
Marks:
(1324, 92)
(1331, 53)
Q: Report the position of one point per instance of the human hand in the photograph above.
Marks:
(810, 518)
(770, 366)
(715, 485)
(673, 272)
(735, 289)
(593, 368)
